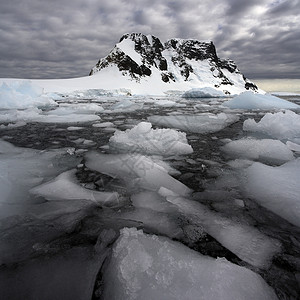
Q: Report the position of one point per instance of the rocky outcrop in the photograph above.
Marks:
(178, 60)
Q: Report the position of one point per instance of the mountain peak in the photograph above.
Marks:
(196, 63)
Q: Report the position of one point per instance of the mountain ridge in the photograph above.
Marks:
(140, 57)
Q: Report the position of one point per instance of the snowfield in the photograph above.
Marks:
(114, 194)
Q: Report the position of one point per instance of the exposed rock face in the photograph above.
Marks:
(138, 56)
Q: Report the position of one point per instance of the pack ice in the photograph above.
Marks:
(284, 126)
(201, 123)
(249, 100)
(143, 139)
(276, 188)
(146, 266)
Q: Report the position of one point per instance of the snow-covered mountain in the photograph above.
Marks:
(178, 64)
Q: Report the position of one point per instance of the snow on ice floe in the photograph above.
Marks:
(276, 188)
(284, 126)
(248, 243)
(249, 100)
(206, 92)
(23, 94)
(143, 139)
(200, 123)
(137, 171)
(268, 150)
(147, 267)
(66, 187)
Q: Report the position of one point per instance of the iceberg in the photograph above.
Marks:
(23, 94)
(276, 188)
(201, 123)
(144, 266)
(206, 92)
(143, 139)
(249, 100)
(284, 126)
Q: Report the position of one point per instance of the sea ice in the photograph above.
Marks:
(23, 94)
(126, 105)
(201, 123)
(248, 243)
(22, 169)
(276, 188)
(148, 267)
(143, 139)
(76, 108)
(268, 150)
(66, 187)
(206, 92)
(284, 126)
(249, 100)
(137, 171)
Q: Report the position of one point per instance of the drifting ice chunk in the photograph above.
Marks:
(206, 92)
(202, 123)
(64, 187)
(282, 125)
(248, 243)
(266, 149)
(276, 188)
(249, 100)
(137, 171)
(143, 139)
(23, 94)
(152, 267)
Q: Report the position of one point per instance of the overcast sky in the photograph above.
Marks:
(65, 38)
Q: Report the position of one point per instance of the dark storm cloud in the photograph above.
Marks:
(60, 39)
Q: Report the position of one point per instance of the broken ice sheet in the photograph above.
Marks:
(21, 169)
(66, 187)
(248, 243)
(137, 171)
(146, 266)
(276, 188)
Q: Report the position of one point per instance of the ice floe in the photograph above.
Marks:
(249, 100)
(268, 150)
(284, 126)
(66, 187)
(23, 94)
(148, 267)
(248, 243)
(137, 171)
(22, 169)
(143, 139)
(276, 188)
(200, 123)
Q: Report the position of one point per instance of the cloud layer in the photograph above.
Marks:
(62, 38)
